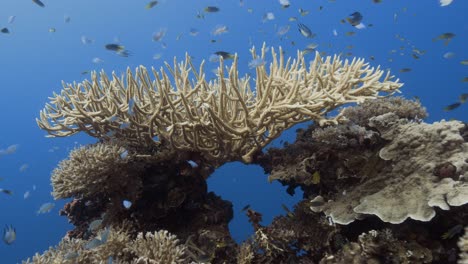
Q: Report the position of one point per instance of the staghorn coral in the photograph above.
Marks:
(159, 247)
(223, 119)
(95, 170)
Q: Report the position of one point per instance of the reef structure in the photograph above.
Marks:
(159, 140)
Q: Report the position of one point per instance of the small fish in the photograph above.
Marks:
(45, 208)
(39, 3)
(445, 2)
(192, 163)
(445, 36)
(452, 106)
(200, 15)
(5, 30)
(463, 97)
(6, 191)
(303, 12)
(151, 4)
(220, 29)
(127, 204)
(124, 154)
(292, 19)
(66, 19)
(84, 72)
(159, 35)
(193, 32)
(305, 31)
(449, 55)
(11, 19)
(23, 167)
(283, 30)
(257, 62)
(85, 40)
(464, 62)
(97, 60)
(415, 56)
(225, 55)
(465, 79)
(52, 30)
(452, 232)
(114, 47)
(9, 235)
(377, 1)
(354, 19)
(284, 3)
(211, 9)
(26, 195)
(268, 16)
(157, 56)
(245, 208)
(405, 70)
(335, 33)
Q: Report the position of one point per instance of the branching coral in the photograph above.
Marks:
(223, 119)
(94, 170)
(159, 247)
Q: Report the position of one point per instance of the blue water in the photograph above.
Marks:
(34, 61)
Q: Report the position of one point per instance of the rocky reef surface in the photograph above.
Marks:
(381, 187)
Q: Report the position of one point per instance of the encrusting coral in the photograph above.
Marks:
(223, 119)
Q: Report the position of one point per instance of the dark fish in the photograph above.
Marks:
(115, 47)
(151, 4)
(452, 106)
(405, 70)
(245, 208)
(305, 31)
(5, 30)
(225, 55)
(377, 1)
(6, 191)
(211, 9)
(445, 36)
(350, 33)
(355, 18)
(465, 79)
(39, 3)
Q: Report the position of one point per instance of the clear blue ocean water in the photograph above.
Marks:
(34, 61)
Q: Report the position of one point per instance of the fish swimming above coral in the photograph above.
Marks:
(9, 235)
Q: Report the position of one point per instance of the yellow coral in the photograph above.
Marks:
(223, 119)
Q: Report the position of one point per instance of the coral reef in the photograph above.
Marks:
(463, 245)
(224, 119)
(115, 245)
(380, 185)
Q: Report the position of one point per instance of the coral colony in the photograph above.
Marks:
(380, 185)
